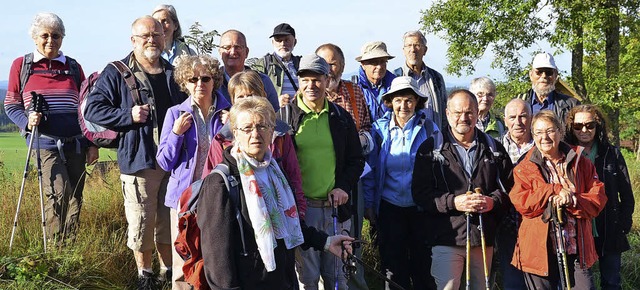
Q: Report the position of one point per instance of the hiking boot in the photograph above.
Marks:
(165, 279)
(147, 281)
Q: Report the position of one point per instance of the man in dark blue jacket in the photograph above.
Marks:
(373, 76)
(112, 105)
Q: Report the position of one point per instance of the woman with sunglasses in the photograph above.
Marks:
(188, 130)
(587, 127)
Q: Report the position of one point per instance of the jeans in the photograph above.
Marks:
(610, 271)
(512, 278)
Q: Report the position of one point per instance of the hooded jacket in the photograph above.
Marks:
(530, 196)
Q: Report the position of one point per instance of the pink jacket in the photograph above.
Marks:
(282, 149)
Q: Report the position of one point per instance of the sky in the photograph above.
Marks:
(98, 32)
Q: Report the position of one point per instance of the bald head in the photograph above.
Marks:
(517, 118)
(233, 51)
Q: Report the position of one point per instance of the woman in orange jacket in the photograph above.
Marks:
(555, 172)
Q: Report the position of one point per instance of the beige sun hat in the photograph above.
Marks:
(374, 49)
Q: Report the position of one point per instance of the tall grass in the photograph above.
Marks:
(99, 259)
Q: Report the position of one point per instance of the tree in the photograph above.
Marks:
(587, 28)
(202, 41)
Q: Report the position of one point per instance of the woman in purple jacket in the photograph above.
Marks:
(188, 130)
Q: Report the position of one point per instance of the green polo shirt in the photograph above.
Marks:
(315, 152)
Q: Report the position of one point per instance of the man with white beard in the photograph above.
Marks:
(543, 94)
(430, 81)
(139, 122)
(281, 66)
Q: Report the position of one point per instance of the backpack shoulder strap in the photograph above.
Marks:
(354, 106)
(234, 195)
(129, 79)
(25, 70)
(74, 70)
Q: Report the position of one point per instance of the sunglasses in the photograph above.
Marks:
(578, 126)
(204, 79)
(548, 71)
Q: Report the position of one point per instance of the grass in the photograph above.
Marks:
(13, 151)
(99, 259)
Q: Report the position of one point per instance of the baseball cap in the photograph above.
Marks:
(374, 49)
(313, 63)
(544, 60)
(283, 29)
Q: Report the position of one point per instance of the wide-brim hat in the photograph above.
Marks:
(402, 83)
(374, 49)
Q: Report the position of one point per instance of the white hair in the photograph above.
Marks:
(45, 20)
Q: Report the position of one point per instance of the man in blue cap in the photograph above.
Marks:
(330, 157)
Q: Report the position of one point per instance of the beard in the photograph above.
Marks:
(283, 54)
(544, 90)
(151, 53)
(333, 83)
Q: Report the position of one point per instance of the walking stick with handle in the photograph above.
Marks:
(334, 215)
(468, 261)
(37, 104)
(484, 246)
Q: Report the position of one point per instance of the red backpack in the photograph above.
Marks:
(187, 244)
(98, 135)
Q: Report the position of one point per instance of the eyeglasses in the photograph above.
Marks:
(548, 132)
(578, 126)
(259, 128)
(548, 71)
(204, 79)
(55, 36)
(146, 37)
(235, 47)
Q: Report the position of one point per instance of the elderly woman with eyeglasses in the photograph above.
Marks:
(188, 130)
(175, 45)
(63, 149)
(554, 179)
(587, 127)
(260, 254)
(249, 84)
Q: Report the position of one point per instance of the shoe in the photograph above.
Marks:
(147, 281)
(165, 279)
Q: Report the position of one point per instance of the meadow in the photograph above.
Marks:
(99, 258)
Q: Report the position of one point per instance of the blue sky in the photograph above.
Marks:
(98, 31)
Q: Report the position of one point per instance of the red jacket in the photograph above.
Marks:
(282, 149)
(530, 195)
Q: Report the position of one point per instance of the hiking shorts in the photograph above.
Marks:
(147, 217)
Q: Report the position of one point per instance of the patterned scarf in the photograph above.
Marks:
(270, 203)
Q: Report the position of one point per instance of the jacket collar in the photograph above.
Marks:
(569, 152)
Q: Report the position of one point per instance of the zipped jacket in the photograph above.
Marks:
(178, 153)
(530, 196)
(438, 180)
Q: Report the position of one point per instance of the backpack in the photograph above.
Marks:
(98, 135)
(187, 243)
(26, 71)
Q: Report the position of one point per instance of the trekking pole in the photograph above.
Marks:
(334, 215)
(484, 246)
(563, 251)
(468, 261)
(37, 105)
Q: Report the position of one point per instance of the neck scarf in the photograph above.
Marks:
(270, 203)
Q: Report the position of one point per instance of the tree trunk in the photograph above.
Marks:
(612, 50)
(577, 53)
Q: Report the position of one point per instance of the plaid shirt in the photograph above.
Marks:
(559, 175)
(341, 98)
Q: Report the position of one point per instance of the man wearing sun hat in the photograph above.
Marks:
(330, 158)
(281, 65)
(373, 77)
(543, 94)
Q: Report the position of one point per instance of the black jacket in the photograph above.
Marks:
(614, 222)
(224, 266)
(562, 104)
(346, 144)
(437, 182)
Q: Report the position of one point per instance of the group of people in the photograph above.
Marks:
(441, 179)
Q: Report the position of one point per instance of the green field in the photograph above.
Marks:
(13, 151)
